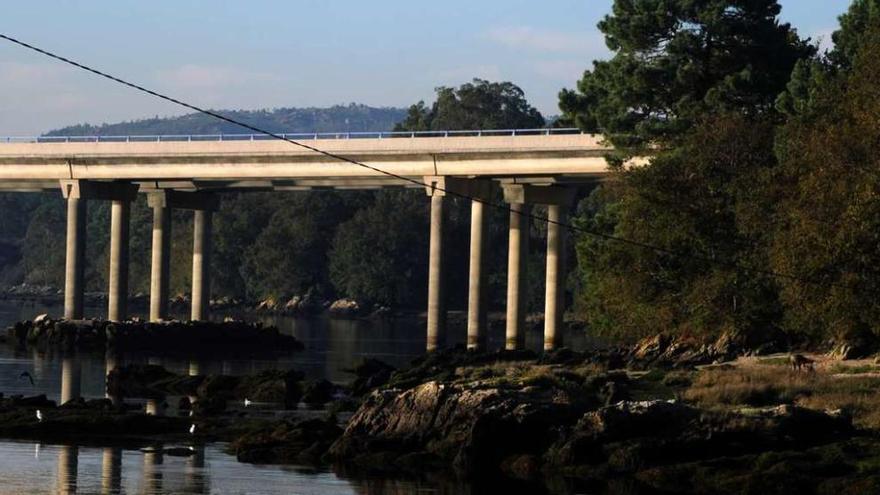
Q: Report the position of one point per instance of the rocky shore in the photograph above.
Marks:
(172, 337)
(665, 416)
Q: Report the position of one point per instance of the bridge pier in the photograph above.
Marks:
(75, 258)
(436, 303)
(517, 264)
(558, 200)
(554, 302)
(160, 270)
(77, 193)
(201, 274)
(203, 205)
(117, 295)
(477, 311)
(71, 373)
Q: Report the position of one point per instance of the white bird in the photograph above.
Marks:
(192, 429)
(39, 416)
(247, 402)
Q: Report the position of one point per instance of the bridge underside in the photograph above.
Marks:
(530, 170)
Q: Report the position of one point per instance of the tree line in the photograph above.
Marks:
(762, 198)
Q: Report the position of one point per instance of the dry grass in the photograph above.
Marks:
(525, 374)
(770, 385)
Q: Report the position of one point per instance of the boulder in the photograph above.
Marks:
(303, 443)
(472, 429)
(138, 380)
(345, 307)
(318, 392)
(855, 345)
(273, 386)
(371, 373)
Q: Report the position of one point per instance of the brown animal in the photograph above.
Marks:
(800, 362)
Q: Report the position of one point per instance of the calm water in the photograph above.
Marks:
(332, 346)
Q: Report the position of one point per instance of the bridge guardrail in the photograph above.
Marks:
(292, 136)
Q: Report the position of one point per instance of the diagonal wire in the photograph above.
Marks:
(502, 206)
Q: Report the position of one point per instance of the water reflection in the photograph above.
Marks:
(332, 346)
(152, 474)
(68, 460)
(195, 476)
(111, 471)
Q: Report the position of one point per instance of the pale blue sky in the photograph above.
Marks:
(271, 53)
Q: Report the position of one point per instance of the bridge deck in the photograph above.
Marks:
(276, 164)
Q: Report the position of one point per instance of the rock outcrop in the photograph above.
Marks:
(676, 351)
(470, 429)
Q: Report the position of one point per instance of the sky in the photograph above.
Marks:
(279, 53)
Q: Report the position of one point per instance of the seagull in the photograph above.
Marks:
(25, 374)
(39, 416)
(247, 402)
(192, 429)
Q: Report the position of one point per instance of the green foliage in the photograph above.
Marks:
(675, 60)
(43, 261)
(289, 256)
(854, 26)
(700, 202)
(829, 203)
(379, 255)
(473, 106)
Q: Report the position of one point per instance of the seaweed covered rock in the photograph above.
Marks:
(631, 436)
(230, 338)
(281, 387)
(290, 442)
(319, 392)
(138, 380)
(80, 420)
(370, 373)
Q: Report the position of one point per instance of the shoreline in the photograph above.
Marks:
(506, 416)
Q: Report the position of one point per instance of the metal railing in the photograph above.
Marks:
(293, 136)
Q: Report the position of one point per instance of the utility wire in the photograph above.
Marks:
(502, 206)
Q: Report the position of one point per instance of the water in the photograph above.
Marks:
(332, 346)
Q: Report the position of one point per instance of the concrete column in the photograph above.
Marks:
(70, 379)
(517, 261)
(477, 310)
(201, 276)
(68, 464)
(117, 294)
(161, 267)
(436, 309)
(111, 470)
(554, 308)
(75, 263)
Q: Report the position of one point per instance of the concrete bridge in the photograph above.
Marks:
(531, 167)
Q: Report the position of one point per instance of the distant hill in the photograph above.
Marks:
(339, 118)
